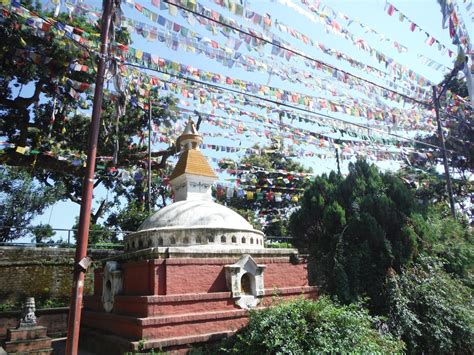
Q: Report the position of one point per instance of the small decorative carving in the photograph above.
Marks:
(28, 318)
(111, 284)
(245, 281)
(201, 186)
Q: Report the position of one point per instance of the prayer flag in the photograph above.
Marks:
(391, 10)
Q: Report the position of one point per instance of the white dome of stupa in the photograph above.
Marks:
(196, 213)
(194, 220)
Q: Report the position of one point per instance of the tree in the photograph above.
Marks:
(309, 327)
(21, 199)
(48, 130)
(270, 184)
(42, 233)
(356, 229)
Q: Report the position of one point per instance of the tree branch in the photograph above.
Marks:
(99, 212)
(40, 161)
(99, 181)
(72, 197)
(20, 102)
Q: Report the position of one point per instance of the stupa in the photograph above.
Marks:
(190, 273)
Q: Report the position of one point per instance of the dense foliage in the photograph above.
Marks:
(430, 310)
(21, 199)
(309, 327)
(356, 228)
(370, 237)
(450, 241)
(46, 93)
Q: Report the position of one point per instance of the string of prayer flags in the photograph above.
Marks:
(430, 40)
(265, 22)
(309, 102)
(330, 23)
(238, 99)
(406, 73)
(227, 57)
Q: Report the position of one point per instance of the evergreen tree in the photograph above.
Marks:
(356, 228)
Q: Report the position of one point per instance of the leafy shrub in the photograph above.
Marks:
(279, 245)
(431, 311)
(304, 327)
(450, 240)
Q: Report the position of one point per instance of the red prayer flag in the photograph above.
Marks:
(430, 41)
(454, 18)
(412, 26)
(391, 10)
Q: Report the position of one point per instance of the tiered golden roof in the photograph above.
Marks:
(192, 161)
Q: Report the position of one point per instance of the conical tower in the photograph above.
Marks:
(192, 177)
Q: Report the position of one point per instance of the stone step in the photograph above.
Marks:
(160, 327)
(35, 352)
(26, 333)
(147, 306)
(180, 344)
(174, 304)
(39, 344)
(98, 342)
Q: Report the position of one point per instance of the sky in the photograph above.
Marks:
(372, 14)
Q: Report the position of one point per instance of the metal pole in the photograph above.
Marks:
(337, 160)
(74, 320)
(149, 155)
(443, 151)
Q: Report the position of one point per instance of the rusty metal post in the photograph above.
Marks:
(74, 320)
(443, 151)
(149, 155)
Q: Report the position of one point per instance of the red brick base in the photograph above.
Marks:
(170, 303)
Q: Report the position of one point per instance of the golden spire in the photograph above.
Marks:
(191, 161)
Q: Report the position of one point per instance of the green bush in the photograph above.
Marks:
(430, 310)
(307, 327)
(279, 245)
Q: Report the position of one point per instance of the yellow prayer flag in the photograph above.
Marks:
(21, 150)
(173, 10)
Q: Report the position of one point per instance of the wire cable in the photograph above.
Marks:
(278, 103)
(426, 104)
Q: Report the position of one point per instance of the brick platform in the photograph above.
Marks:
(171, 302)
(32, 340)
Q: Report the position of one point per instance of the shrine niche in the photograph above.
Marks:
(111, 284)
(245, 281)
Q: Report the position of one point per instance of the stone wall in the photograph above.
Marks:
(43, 273)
